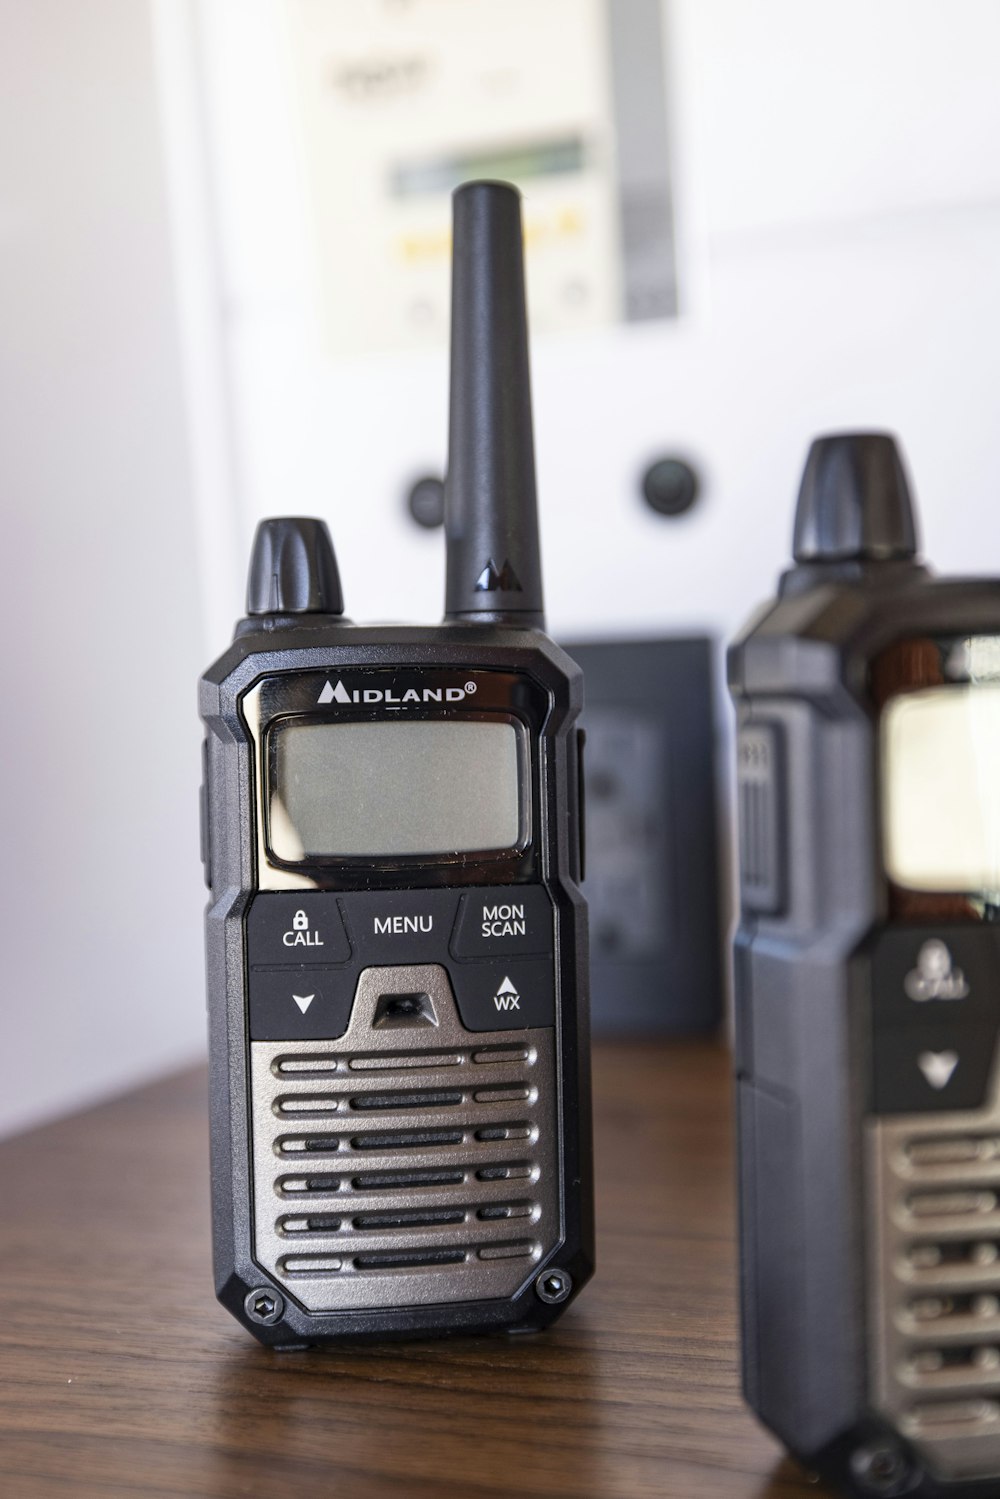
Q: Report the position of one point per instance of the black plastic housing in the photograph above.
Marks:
(320, 643)
(801, 677)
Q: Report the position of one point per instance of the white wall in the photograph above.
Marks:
(100, 890)
(840, 211)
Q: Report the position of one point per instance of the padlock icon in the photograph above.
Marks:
(300, 922)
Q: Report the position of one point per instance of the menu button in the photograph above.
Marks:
(400, 926)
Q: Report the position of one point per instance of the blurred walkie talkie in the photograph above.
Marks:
(868, 996)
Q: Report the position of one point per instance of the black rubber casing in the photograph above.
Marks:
(322, 643)
(803, 1002)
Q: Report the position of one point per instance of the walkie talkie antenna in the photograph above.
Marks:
(491, 513)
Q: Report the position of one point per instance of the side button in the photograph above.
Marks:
(581, 801)
(299, 1004)
(206, 845)
(516, 994)
(760, 799)
(203, 810)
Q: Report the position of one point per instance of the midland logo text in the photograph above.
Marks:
(365, 695)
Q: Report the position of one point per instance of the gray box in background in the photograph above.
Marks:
(652, 880)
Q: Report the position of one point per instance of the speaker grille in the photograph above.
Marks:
(935, 1285)
(394, 1175)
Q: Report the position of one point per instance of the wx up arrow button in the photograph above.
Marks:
(519, 995)
(507, 997)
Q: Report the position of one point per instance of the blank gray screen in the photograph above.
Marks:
(382, 789)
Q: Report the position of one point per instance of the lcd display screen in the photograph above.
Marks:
(416, 787)
(941, 789)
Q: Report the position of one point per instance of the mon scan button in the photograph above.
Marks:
(513, 919)
(514, 995)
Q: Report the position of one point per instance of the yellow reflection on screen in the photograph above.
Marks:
(941, 789)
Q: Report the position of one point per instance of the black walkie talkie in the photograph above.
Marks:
(868, 996)
(397, 946)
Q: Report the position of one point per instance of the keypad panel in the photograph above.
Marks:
(306, 951)
(935, 997)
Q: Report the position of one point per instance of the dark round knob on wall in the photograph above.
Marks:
(670, 486)
(425, 501)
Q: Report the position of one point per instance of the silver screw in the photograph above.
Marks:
(553, 1286)
(882, 1469)
(264, 1306)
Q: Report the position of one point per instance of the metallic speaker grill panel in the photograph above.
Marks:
(934, 1302)
(401, 1168)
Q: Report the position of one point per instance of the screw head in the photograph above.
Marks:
(264, 1306)
(882, 1468)
(553, 1286)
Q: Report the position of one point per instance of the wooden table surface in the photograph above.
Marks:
(120, 1374)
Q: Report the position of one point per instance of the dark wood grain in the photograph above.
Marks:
(120, 1375)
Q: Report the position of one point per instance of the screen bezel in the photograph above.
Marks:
(421, 861)
(402, 687)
